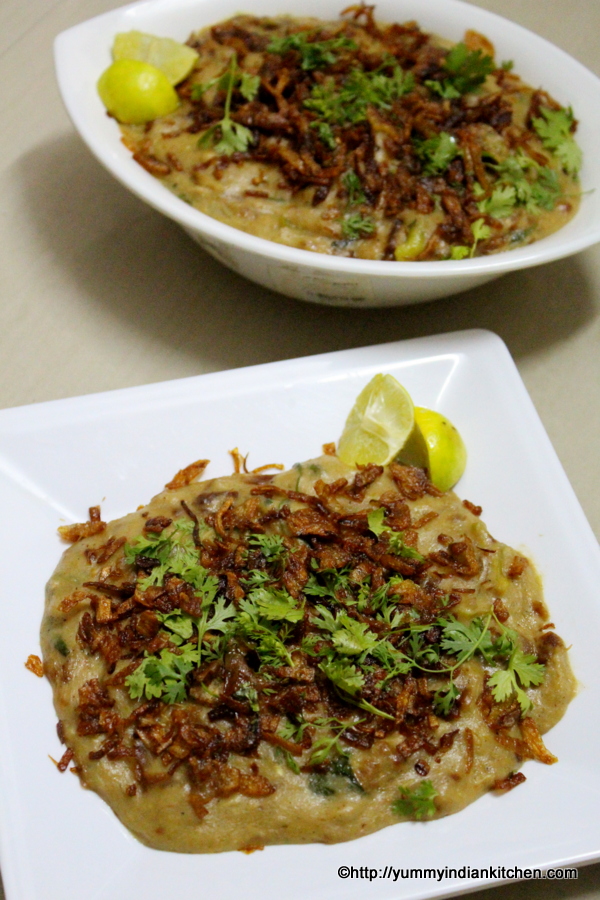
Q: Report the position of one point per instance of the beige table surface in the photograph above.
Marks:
(97, 291)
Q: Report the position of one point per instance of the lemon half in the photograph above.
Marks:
(446, 451)
(135, 92)
(175, 60)
(379, 423)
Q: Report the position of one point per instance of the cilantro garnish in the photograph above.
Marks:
(345, 644)
(394, 661)
(235, 138)
(443, 701)
(248, 693)
(501, 203)
(463, 639)
(325, 746)
(522, 672)
(314, 54)
(437, 153)
(267, 639)
(355, 226)
(481, 232)
(328, 583)
(396, 545)
(349, 637)
(274, 604)
(466, 69)
(521, 181)
(175, 553)
(416, 803)
(344, 675)
(346, 104)
(288, 759)
(327, 136)
(163, 676)
(271, 546)
(555, 130)
(354, 188)
(249, 85)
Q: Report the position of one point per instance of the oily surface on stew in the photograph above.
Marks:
(304, 657)
(356, 138)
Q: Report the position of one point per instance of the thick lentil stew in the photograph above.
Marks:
(361, 139)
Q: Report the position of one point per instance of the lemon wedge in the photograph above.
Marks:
(135, 92)
(175, 60)
(379, 423)
(446, 451)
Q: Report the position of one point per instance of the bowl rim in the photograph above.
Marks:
(150, 189)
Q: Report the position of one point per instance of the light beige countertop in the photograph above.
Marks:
(97, 291)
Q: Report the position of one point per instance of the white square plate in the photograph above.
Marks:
(59, 842)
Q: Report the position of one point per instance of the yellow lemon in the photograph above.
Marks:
(446, 452)
(174, 59)
(135, 92)
(379, 423)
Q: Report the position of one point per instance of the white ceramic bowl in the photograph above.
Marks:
(83, 52)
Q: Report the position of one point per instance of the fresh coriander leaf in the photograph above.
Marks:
(397, 546)
(445, 90)
(293, 730)
(248, 693)
(481, 232)
(459, 252)
(503, 684)
(323, 748)
(347, 103)
(437, 153)
(262, 636)
(276, 605)
(288, 759)
(354, 188)
(555, 130)
(368, 707)
(356, 226)
(162, 676)
(314, 54)
(463, 639)
(328, 583)
(349, 636)
(271, 546)
(416, 803)
(546, 190)
(528, 671)
(327, 137)
(249, 85)
(522, 672)
(178, 622)
(393, 660)
(353, 638)
(234, 137)
(500, 204)
(220, 618)
(343, 675)
(376, 522)
(468, 68)
(256, 578)
(443, 701)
